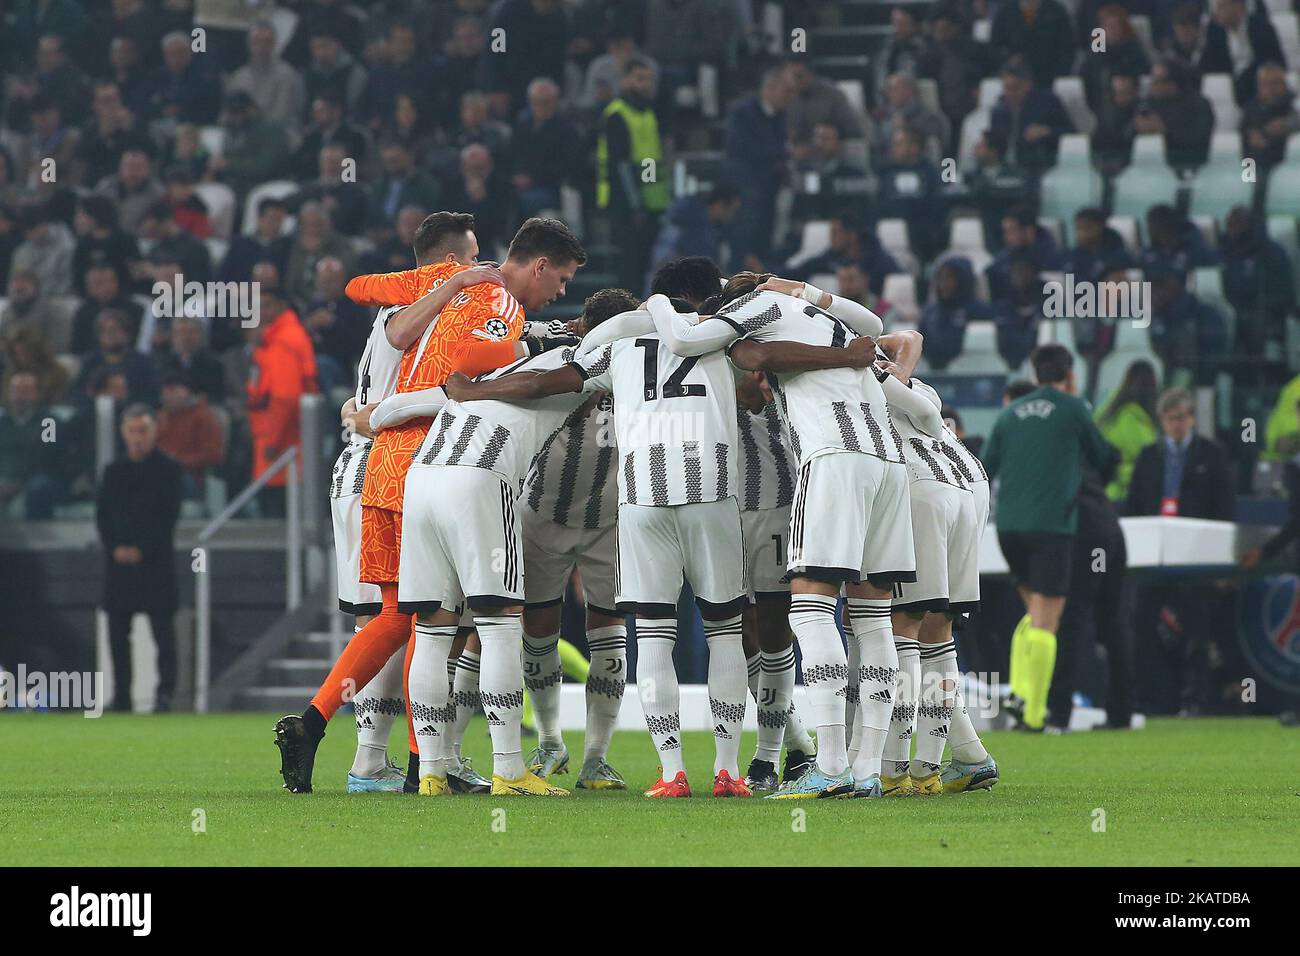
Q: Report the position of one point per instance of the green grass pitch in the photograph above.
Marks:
(129, 789)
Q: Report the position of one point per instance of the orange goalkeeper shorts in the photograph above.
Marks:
(381, 544)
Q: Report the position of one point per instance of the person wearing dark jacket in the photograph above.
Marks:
(1178, 111)
(1123, 55)
(1185, 332)
(1027, 122)
(1234, 30)
(1175, 243)
(757, 156)
(1097, 247)
(951, 308)
(1019, 311)
(1257, 282)
(1181, 474)
(1038, 30)
(1021, 235)
(136, 510)
(1270, 118)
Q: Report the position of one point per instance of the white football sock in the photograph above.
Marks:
(606, 682)
(852, 700)
(963, 741)
(656, 684)
(825, 675)
(877, 676)
(375, 708)
(464, 696)
(902, 722)
(501, 688)
(775, 689)
(430, 711)
(796, 734)
(726, 692)
(543, 674)
(934, 714)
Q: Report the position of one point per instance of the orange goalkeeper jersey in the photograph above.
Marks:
(400, 288)
(469, 332)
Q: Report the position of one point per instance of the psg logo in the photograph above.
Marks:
(1271, 635)
(496, 328)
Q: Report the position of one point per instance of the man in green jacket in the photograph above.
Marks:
(1035, 450)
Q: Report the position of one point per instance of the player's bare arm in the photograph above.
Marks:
(515, 387)
(853, 314)
(903, 349)
(405, 328)
(779, 357)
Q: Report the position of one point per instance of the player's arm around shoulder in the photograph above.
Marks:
(404, 328)
(788, 357)
(516, 386)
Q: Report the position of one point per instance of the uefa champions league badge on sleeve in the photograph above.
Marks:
(1271, 630)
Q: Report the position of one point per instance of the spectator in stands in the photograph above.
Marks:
(10, 188)
(329, 126)
(1177, 110)
(101, 243)
(1112, 140)
(1038, 30)
(402, 183)
(1123, 54)
(854, 282)
(128, 73)
(826, 180)
(50, 140)
(1238, 41)
(46, 250)
(757, 156)
(10, 236)
(28, 461)
(951, 308)
(332, 72)
(27, 308)
(111, 129)
(284, 369)
(851, 241)
(816, 101)
(136, 510)
(1257, 281)
(1185, 41)
(103, 291)
(134, 188)
(957, 63)
(1174, 243)
(1027, 123)
(189, 431)
(464, 68)
(543, 141)
(337, 190)
(168, 243)
(605, 73)
(902, 108)
(540, 35)
(1127, 419)
(1019, 310)
(910, 188)
(395, 253)
(1186, 333)
(694, 226)
(55, 79)
(1188, 475)
(275, 86)
(338, 326)
(1269, 119)
(907, 51)
(316, 239)
(256, 149)
(113, 352)
(411, 124)
(188, 151)
(1021, 234)
(188, 356)
(478, 126)
(479, 190)
(631, 177)
(680, 35)
(402, 66)
(267, 242)
(1098, 248)
(182, 89)
(25, 350)
(189, 211)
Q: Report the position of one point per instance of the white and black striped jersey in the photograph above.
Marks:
(674, 421)
(768, 468)
(376, 380)
(914, 409)
(963, 460)
(825, 410)
(573, 479)
(503, 437)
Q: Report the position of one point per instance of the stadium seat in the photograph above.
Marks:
(1293, 148)
(1127, 228)
(220, 200)
(1216, 189)
(972, 128)
(1277, 6)
(966, 234)
(826, 281)
(927, 92)
(1111, 371)
(990, 90)
(979, 354)
(1069, 89)
(217, 249)
(1209, 229)
(1225, 148)
(1148, 150)
(1073, 150)
(1058, 332)
(1142, 27)
(900, 292)
(285, 22)
(1218, 89)
(1284, 191)
(1067, 187)
(275, 189)
(815, 240)
(852, 90)
(1140, 187)
(1288, 34)
(982, 30)
(894, 238)
(1282, 230)
(1131, 337)
(213, 139)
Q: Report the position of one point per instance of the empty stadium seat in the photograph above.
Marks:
(979, 354)
(1277, 6)
(815, 240)
(1218, 89)
(1225, 148)
(927, 91)
(972, 128)
(852, 90)
(966, 234)
(1148, 150)
(1131, 337)
(1282, 230)
(1069, 89)
(220, 200)
(1127, 228)
(1142, 27)
(213, 139)
(1284, 191)
(1066, 188)
(900, 292)
(1140, 187)
(1293, 148)
(1057, 331)
(1073, 150)
(990, 90)
(894, 238)
(1209, 229)
(1288, 35)
(1216, 189)
(826, 281)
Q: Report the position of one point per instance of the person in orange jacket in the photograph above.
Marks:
(282, 370)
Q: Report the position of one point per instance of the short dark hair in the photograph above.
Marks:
(693, 278)
(270, 202)
(1052, 363)
(605, 304)
(1022, 213)
(99, 208)
(722, 191)
(1091, 214)
(439, 233)
(546, 237)
(949, 413)
(1018, 388)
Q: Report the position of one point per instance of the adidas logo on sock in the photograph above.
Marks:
(494, 720)
(883, 696)
(670, 743)
(721, 731)
(940, 731)
(365, 724)
(428, 730)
